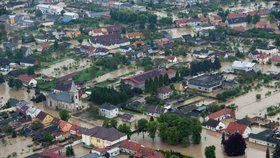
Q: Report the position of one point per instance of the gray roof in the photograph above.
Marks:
(63, 96)
(107, 106)
(206, 80)
(92, 155)
(110, 134)
(212, 123)
(267, 135)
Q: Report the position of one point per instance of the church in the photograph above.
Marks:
(68, 100)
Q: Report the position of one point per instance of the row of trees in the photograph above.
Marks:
(151, 85)
(253, 19)
(15, 83)
(135, 17)
(204, 66)
(100, 95)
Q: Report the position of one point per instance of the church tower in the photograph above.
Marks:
(74, 92)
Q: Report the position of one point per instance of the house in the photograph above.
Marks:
(268, 138)
(41, 38)
(269, 50)
(26, 51)
(243, 66)
(171, 59)
(263, 13)
(10, 46)
(229, 84)
(155, 111)
(28, 39)
(200, 53)
(215, 19)
(214, 125)
(205, 83)
(235, 127)
(275, 58)
(65, 100)
(139, 150)
(235, 20)
(101, 137)
(91, 155)
(164, 92)
(133, 35)
(221, 114)
(71, 15)
(13, 5)
(262, 59)
(26, 62)
(261, 24)
(101, 52)
(64, 126)
(49, 9)
(44, 118)
(125, 49)
(253, 54)
(72, 33)
(108, 110)
(32, 112)
(187, 22)
(27, 80)
(111, 41)
(138, 81)
(127, 118)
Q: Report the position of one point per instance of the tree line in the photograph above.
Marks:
(204, 66)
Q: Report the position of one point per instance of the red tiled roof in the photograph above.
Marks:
(262, 56)
(45, 45)
(184, 20)
(261, 24)
(157, 155)
(239, 29)
(225, 111)
(170, 57)
(275, 58)
(133, 34)
(25, 78)
(130, 145)
(53, 153)
(252, 13)
(263, 11)
(235, 15)
(235, 127)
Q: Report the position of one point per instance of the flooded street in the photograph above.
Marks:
(197, 151)
(178, 32)
(21, 145)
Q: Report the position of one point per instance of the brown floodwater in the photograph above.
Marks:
(197, 151)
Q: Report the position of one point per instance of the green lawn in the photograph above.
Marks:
(46, 86)
(90, 73)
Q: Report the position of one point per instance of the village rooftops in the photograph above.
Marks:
(267, 135)
(212, 123)
(206, 80)
(234, 127)
(62, 96)
(107, 106)
(108, 40)
(109, 134)
(140, 78)
(225, 111)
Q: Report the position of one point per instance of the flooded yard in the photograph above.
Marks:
(19, 145)
(197, 151)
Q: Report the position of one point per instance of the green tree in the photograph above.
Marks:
(2, 80)
(152, 129)
(36, 125)
(11, 82)
(64, 115)
(109, 123)
(267, 155)
(30, 70)
(142, 125)
(249, 19)
(276, 152)
(166, 79)
(258, 96)
(125, 129)
(256, 18)
(62, 12)
(277, 41)
(209, 151)
(48, 138)
(217, 64)
(38, 13)
(235, 145)
(14, 134)
(223, 138)
(55, 45)
(18, 84)
(70, 151)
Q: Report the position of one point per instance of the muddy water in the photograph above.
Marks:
(178, 32)
(18, 145)
(116, 73)
(197, 151)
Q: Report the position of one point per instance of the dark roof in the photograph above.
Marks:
(28, 60)
(212, 123)
(127, 117)
(266, 48)
(41, 116)
(36, 155)
(4, 61)
(62, 96)
(107, 106)
(249, 74)
(110, 134)
(200, 52)
(28, 39)
(13, 101)
(25, 131)
(244, 121)
(206, 80)
(108, 40)
(65, 86)
(164, 90)
(188, 108)
(237, 20)
(155, 110)
(267, 135)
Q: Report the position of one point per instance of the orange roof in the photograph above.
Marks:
(225, 111)
(235, 127)
(261, 24)
(64, 126)
(239, 29)
(133, 34)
